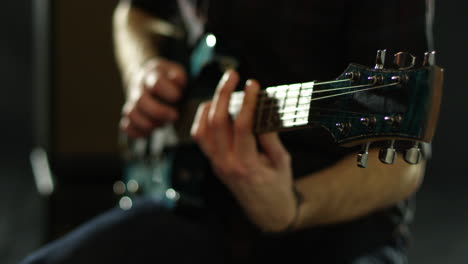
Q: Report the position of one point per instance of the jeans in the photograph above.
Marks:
(149, 233)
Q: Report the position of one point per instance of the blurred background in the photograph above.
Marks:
(60, 102)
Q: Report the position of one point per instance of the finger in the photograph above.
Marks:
(218, 116)
(244, 139)
(161, 87)
(200, 131)
(139, 121)
(177, 74)
(155, 110)
(130, 130)
(274, 149)
(169, 69)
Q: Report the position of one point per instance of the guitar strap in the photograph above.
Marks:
(429, 23)
(194, 16)
(426, 148)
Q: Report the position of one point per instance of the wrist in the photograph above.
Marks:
(292, 225)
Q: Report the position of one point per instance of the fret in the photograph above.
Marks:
(300, 119)
(259, 112)
(282, 106)
(271, 99)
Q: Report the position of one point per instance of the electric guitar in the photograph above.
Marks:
(361, 106)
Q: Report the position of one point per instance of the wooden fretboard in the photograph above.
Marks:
(278, 107)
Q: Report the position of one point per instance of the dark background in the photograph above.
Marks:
(84, 111)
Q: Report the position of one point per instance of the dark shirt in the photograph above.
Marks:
(291, 41)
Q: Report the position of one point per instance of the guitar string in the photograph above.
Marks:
(236, 102)
(302, 87)
(301, 117)
(238, 96)
(351, 92)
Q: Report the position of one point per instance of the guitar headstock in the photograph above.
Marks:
(364, 105)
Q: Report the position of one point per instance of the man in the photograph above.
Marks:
(270, 197)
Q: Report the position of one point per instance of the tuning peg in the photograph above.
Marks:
(404, 60)
(429, 58)
(393, 120)
(380, 59)
(363, 156)
(387, 155)
(413, 155)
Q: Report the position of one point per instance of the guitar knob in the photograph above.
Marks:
(404, 60)
(413, 155)
(133, 186)
(125, 203)
(363, 156)
(388, 155)
(119, 188)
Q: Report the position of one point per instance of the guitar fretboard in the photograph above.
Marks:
(278, 107)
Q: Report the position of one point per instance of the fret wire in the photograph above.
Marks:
(298, 100)
(269, 119)
(259, 112)
(284, 98)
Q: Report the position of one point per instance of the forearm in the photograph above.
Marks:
(137, 37)
(345, 192)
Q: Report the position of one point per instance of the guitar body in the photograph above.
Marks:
(152, 164)
(361, 106)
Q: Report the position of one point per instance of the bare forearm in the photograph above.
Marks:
(345, 192)
(135, 38)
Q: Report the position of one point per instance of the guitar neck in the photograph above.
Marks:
(278, 107)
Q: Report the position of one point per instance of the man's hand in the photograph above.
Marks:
(261, 181)
(152, 91)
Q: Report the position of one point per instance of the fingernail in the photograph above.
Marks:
(249, 84)
(226, 76)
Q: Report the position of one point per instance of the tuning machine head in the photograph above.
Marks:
(380, 59)
(413, 155)
(429, 58)
(404, 60)
(363, 156)
(387, 155)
